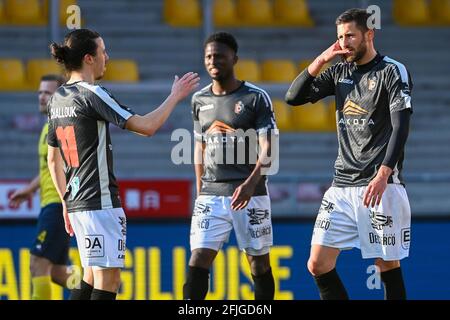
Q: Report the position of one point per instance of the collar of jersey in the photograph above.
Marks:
(369, 65)
(229, 93)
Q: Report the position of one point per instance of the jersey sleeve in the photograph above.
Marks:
(198, 135)
(306, 88)
(106, 106)
(265, 119)
(399, 86)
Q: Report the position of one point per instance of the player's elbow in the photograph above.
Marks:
(292, 99)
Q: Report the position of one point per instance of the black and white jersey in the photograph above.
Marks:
(229, 126)
(79, 116)
(366, 95)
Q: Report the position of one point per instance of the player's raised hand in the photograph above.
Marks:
(19, 196)
(334, 50)
(183, 86)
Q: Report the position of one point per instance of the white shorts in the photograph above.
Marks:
(101, 236)
(383, 231)
(213, 219)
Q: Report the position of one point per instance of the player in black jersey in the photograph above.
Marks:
(367, 206)
(78, 137)
(231, 118)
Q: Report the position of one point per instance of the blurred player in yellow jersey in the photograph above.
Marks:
(49, 253)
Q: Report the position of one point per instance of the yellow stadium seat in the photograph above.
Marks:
(121, 71)
(36, 68)
(282, 115)
(224, 13)
(292, 13)
(303, 64)
(247, 70)
(2, 13)
(312, 117)
(278, 71)
(182, 13)
(24, 12)
(411, 12)
(12, 75)
(440, 12)
(255, 12)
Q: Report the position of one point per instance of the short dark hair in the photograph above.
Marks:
(77, 44)
(360, 16)
(223, 37)
(59, 79)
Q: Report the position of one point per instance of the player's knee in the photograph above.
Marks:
(202, 258)
(39, 266)
(317, 267)
(386, 265)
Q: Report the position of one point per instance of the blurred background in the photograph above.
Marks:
(149, 41)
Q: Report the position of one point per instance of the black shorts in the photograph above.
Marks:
(52, 241)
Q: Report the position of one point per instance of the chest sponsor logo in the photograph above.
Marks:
(206, 107)
(352, 109)
(219, 127)
(355, 117)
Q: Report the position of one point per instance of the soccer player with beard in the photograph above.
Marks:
(367, 206)
(230, 194)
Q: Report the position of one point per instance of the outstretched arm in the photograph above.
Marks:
(148, 124)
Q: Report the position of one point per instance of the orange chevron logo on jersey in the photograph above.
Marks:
(352, 109)
(219, 127)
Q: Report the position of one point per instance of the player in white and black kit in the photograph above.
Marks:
(367, 206)
(81, 163)
(231, 118)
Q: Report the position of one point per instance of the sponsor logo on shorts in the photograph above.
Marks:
(406, 238)
(94, 246)
(260, 232)
(203, 224)
(379, 220)
(257, 215)
(121, 247)
(385, 239)
(123, 224)
(201, 209)
(322, 224)
(326, 206)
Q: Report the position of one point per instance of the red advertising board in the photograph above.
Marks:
(140, 199)
(156, 198)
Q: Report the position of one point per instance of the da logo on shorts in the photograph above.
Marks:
(257, 215)
(94, 246)
(379, 220)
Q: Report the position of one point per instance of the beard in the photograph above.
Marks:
(357, 54)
